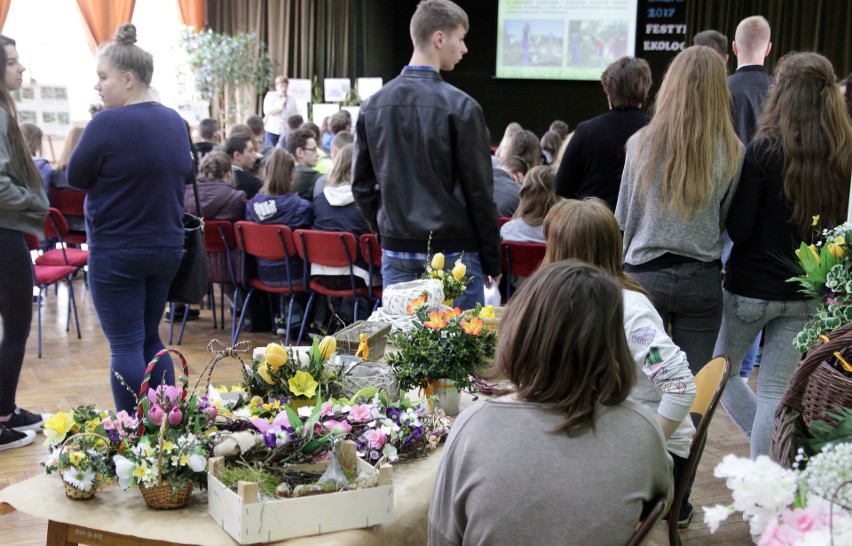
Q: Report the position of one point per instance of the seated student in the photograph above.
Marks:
(241, 151)
(586, 230)
(208, 133)
(323, 165)
(276, 203)
(560, 128)
(302, 146)
(32, 138)
(293, 122)
(59, 178)
(511, 129)
(550, 143)
(507, 186)
(582, 460)
(537, 196)
(255, 125)
(340, 140)
(219, 199)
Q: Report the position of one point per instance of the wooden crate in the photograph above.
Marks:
(250, 521)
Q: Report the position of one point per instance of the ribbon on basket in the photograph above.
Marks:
(221, 351)
(429, 390)
(846, 365)
(184, 379)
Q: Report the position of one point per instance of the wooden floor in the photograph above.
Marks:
(74, 371)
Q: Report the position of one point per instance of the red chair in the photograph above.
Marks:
(502, 220)
(56, 229)
(521, 260)
(47, 275)
(70, 203)
(221, 244)
(371, 251)
(331, 249)
(270, 242)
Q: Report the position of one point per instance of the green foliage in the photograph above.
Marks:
(823, 433)
(279, 387)
(230, 476)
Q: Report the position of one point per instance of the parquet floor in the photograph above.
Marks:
(74, 371)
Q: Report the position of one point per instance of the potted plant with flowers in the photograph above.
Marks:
(441, 352)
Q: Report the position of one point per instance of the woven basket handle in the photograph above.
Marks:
(839, 340)
(147, 379)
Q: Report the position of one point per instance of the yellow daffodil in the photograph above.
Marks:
(263, 371)
(139, 472)
(488, 312)
(58, 426)
(168, 445)
(275, 355)
(438, 261)
(303, 384)
(459, 270)
(327, 347)
(184, 460)
(76, 457)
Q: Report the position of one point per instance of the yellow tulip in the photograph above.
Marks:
(459, 270)
(836, 250)
(263, 371)
(327, 347)
(438, 261)
(275, 355)
(815, 252)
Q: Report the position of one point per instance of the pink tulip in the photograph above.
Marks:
(212, 412)
(175, 416)
(156, 414)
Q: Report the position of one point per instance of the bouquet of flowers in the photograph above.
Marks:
(454, 282)
(442, 345)
(786, 507)
(291, 376)
(826, 276)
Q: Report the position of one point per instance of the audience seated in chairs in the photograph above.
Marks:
(571, 405)
(537, 196)
(219, 199)
(32, 138)
(586, 230)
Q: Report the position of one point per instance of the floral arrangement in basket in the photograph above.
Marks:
(81, 444)
(292, 377)
(787, 507)
(443, 345)
(826, 275)
(453, 281)
(169, 453)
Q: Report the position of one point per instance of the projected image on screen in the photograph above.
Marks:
(562, 39)
(533, 43)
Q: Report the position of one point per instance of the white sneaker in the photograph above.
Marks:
(10, 439)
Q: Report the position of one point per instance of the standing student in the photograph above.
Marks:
(795, 183)
(679, 178)
(422, 165)
(134, 161)
(23, 205)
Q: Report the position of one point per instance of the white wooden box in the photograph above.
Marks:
(250, 521)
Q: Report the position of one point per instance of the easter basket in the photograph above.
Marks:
(349, 338)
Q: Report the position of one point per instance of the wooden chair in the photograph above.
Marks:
(331, 249)
(270, 242)
(520, 259)
(648, 522)
(371, 251)
(47, 275)
(710, 383)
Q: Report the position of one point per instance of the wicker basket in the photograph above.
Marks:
(70, 491)
(77, 494)
(492, 324)
(814, 390)
(163, 497)
(349, 338)
(358, 375)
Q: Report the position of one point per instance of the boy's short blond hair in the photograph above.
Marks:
(434, 15)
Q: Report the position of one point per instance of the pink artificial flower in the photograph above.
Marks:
(360, 414)
(212, 412)
(281, 420)
(808, 519)
(108, 424)
(121, 416)
(375, 438)
(776, 534)
(156, 414)
(260, 424)
(338, 427)
(175, 416)
(326, 409)
(169, 395)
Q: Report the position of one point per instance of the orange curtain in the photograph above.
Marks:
(103, 17)
(192, 13)
(4, 11)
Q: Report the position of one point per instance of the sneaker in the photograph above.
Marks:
(10, 439)
(685, 516)
(23, 420)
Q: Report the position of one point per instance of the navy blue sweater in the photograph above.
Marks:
(134, 162)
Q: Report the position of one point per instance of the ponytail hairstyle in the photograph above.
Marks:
(20, 165)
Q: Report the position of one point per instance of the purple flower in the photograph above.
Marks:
(270, 440)
(393, 415)
(374, 455)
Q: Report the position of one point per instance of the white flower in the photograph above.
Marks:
(123, 468)
(305, 411)
(390, 452)
(82, 480)
(715, 515)
(198, 463)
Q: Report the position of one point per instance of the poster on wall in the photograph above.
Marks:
(368, 87)
(336, 89)
(321, 111)
(193, 111)
(46, 105)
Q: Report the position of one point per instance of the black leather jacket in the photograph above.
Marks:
(422, 165)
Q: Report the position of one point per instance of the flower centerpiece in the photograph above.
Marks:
(293, 377)
(453, 281)
(826, 275)
(787, 507)
(442, 346)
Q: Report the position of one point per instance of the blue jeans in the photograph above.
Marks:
(742, 321)
(750, 359)
(270, 138)
(396, 270)
(689, 299)
(129, 288)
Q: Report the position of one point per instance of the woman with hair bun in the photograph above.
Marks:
(134, 161)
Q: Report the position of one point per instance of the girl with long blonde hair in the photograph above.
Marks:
(795, 182)
(679, 178)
